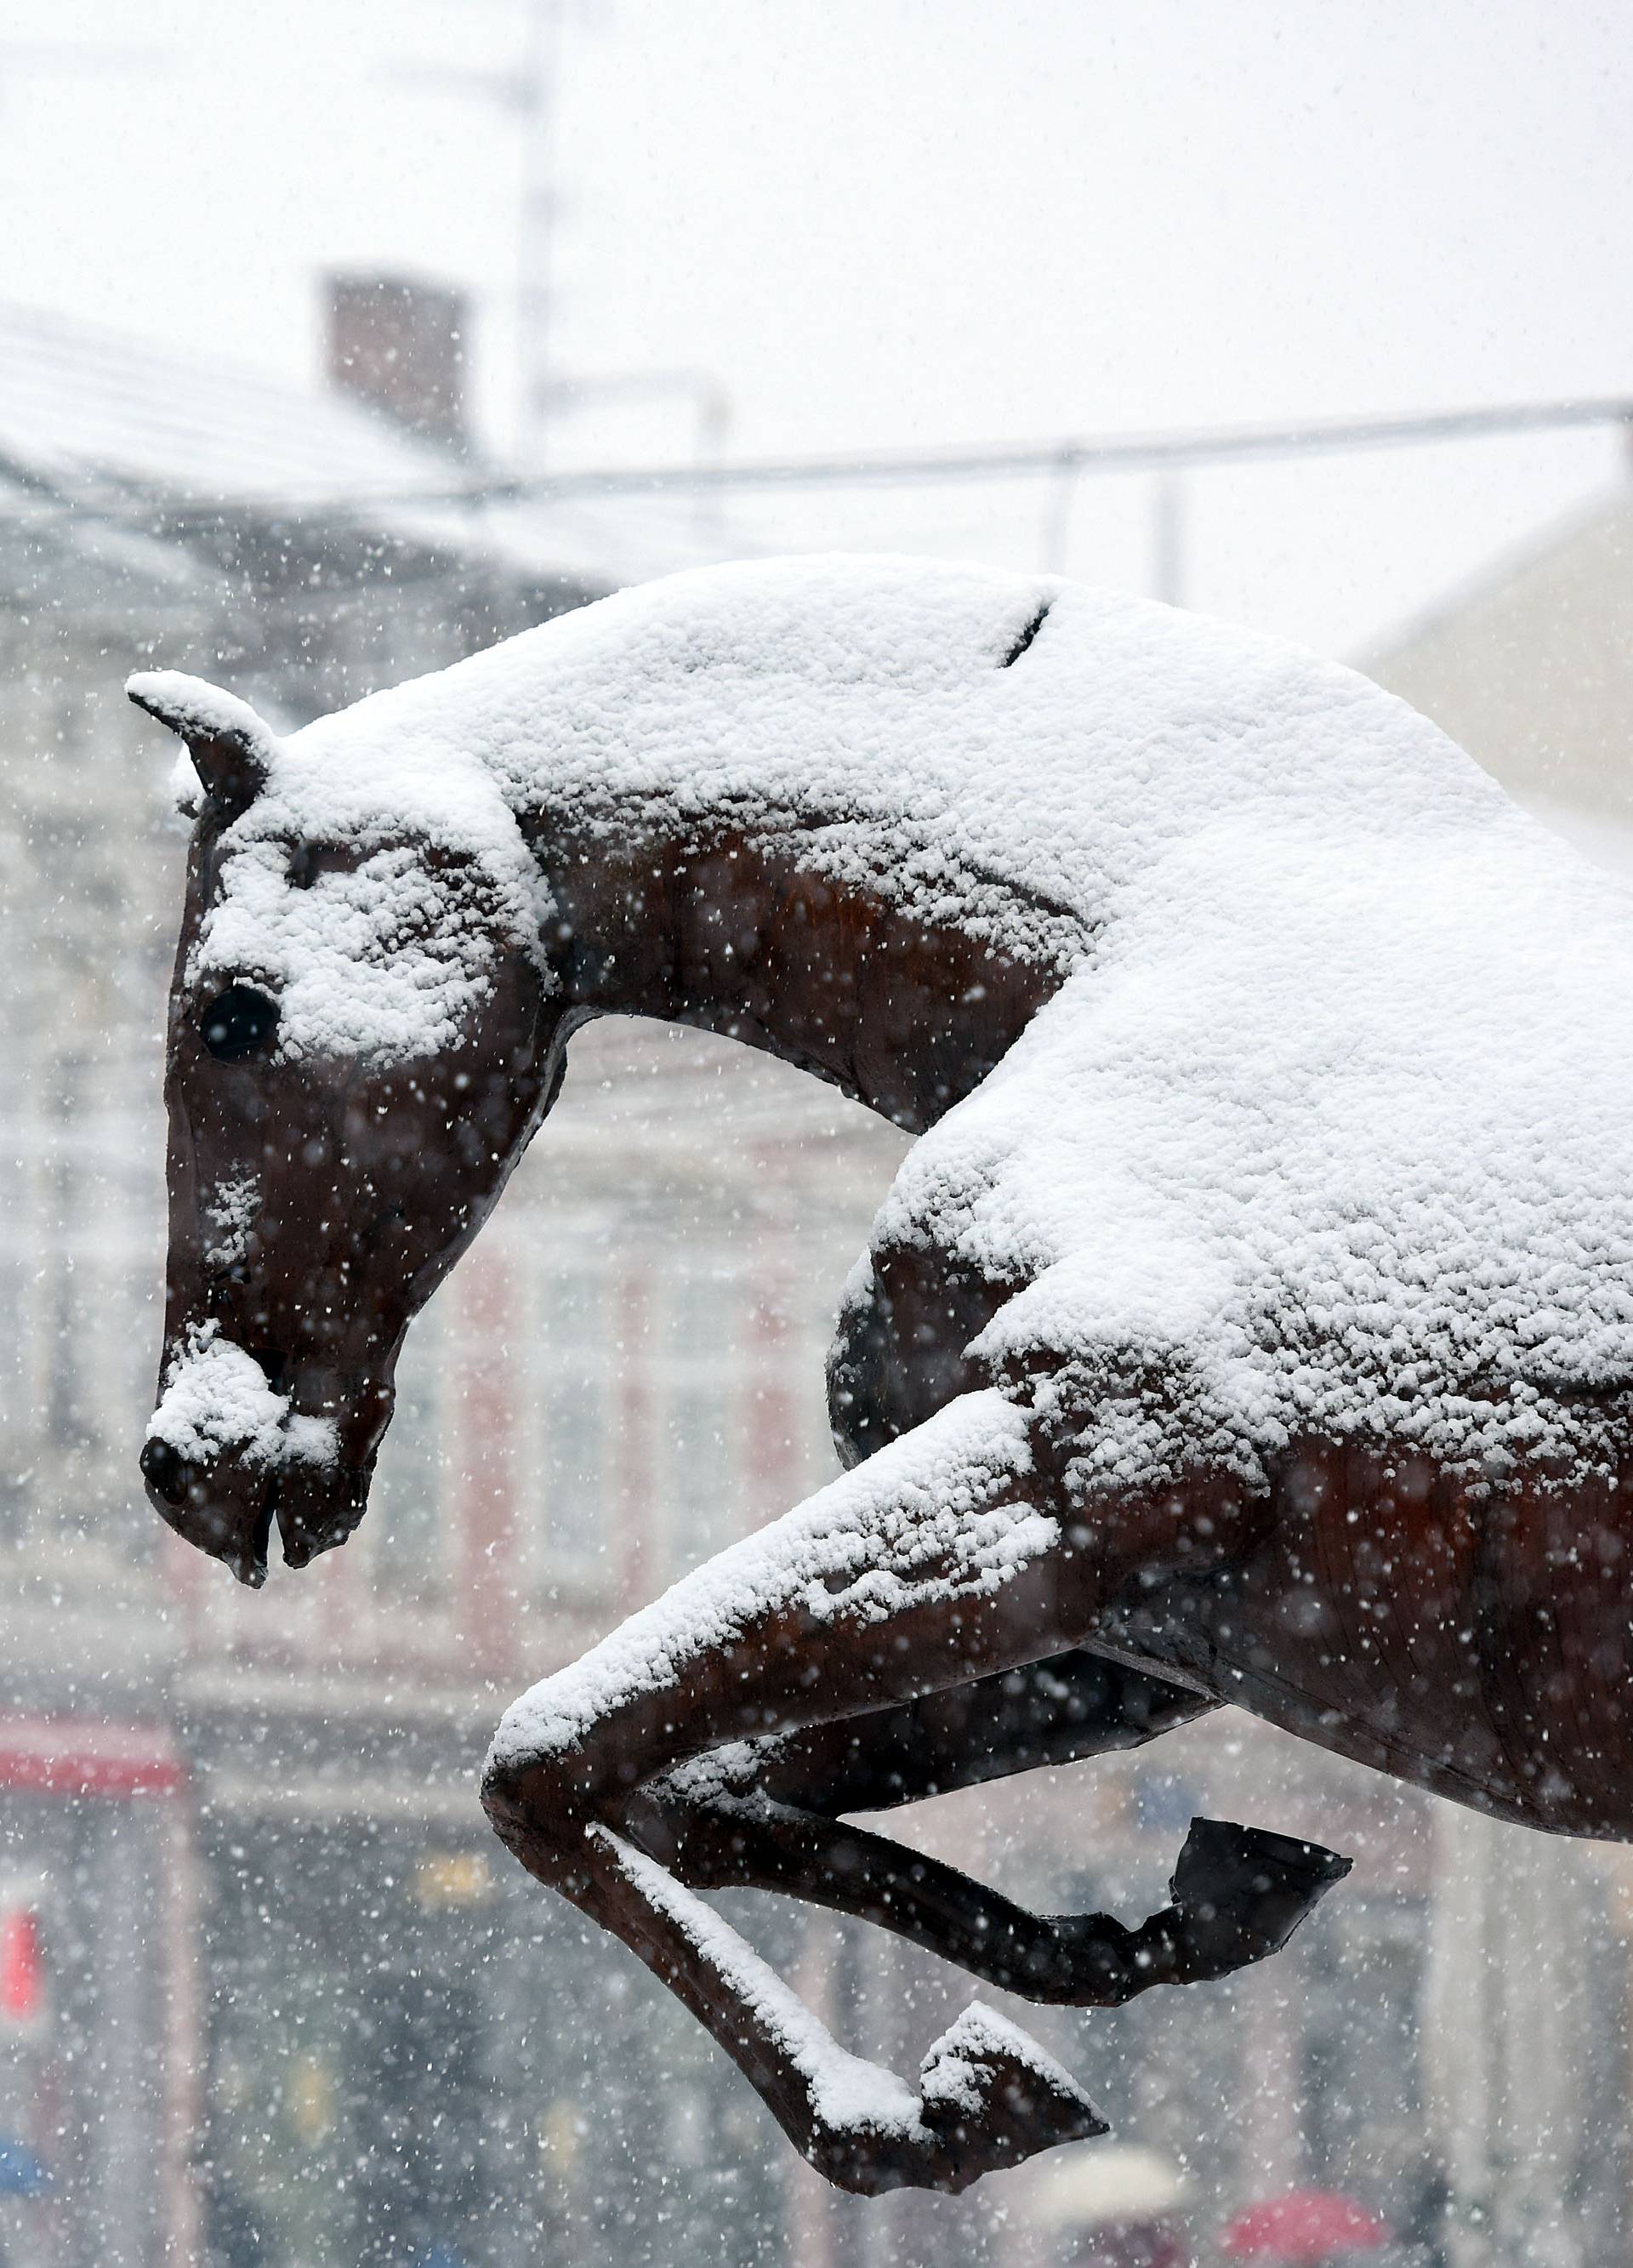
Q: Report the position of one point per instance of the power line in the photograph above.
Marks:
(1062, 462)
(1125, 453)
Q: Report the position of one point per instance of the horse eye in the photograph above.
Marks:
(239, 1022)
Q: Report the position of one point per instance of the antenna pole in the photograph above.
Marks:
(535, 233)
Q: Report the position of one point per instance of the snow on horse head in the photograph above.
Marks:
(1252, 1322)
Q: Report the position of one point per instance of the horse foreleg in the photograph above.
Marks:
(1237, 1894)
(1053, 1711)
(988, 2096)
(929, 1564)
(744, 1818)
(1086, 1961)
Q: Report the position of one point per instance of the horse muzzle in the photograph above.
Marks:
(228, 1454)
(224, 1511)
(229, 1512)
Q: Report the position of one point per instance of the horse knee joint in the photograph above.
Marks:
(532, 1807)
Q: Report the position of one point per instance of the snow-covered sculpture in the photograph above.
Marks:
(1252, 1322)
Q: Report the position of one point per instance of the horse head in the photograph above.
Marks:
(361, 1034)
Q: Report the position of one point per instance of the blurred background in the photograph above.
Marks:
(338, 339)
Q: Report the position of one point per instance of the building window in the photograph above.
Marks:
(409, 1518)
(700, 1500)
(703, 1508)
(569, 1506)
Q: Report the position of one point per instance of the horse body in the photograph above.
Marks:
(1250, 1321)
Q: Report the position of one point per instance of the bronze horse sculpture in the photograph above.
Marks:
(1252, 1322)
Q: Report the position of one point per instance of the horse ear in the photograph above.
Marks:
(230, 747)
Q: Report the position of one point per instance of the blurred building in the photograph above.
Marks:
(1530, 670)
(289, 2004)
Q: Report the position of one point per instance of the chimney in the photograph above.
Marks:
(399, 345)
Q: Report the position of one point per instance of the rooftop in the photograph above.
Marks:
(118, 426)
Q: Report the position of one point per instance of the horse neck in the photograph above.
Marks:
(747, 935)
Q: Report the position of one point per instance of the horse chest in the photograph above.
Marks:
(908, 1314)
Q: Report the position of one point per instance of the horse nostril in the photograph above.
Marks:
(273, 1365)
(166, 1471)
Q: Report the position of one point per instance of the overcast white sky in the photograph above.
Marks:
(914, 222)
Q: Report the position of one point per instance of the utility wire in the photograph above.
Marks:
(1117, 453)
(1062, 460)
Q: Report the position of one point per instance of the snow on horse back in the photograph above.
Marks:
(1252, 1320)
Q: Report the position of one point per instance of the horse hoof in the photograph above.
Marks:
(1238, 1894)
(992, 2097)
